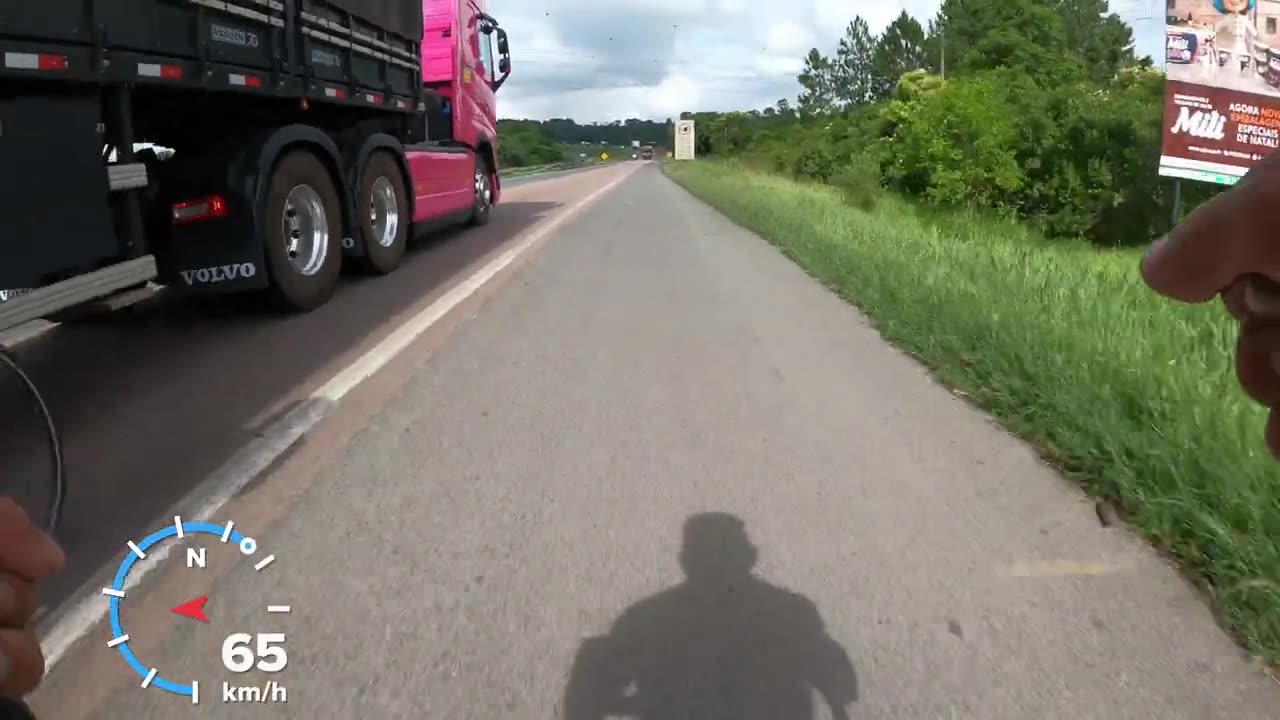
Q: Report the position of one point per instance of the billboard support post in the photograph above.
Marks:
(1177, 202)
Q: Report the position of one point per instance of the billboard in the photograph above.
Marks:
(684, 140)
(1222, 90)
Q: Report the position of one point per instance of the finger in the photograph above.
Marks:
(21, 662)
(17, 600)
(1272, 433)
(1218, 242)
(1233, 300)
(1261, 297)
(1257, 352)
(25, 549)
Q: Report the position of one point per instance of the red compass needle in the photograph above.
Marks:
(193, 609)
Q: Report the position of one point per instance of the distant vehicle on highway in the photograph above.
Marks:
(303, 135)
(646, 153)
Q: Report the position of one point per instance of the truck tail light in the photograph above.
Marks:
(206, 208)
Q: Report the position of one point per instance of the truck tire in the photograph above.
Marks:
(302, 232)
(483, 202)
(384, 214)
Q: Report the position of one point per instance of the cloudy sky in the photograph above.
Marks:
(601, 60)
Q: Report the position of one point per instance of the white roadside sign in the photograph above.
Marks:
(684, 140)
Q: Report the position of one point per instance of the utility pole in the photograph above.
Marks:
(942, 32)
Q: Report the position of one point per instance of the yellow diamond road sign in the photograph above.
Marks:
(604, 156)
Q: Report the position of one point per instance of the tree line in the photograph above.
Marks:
(539, 142)
(1035, 109)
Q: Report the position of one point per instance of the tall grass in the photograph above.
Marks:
(1132, 395)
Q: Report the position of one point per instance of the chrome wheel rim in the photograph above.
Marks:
(305, 228)
(384, 214)
(483, 193)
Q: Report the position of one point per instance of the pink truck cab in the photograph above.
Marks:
(462, 73)
(237, 146)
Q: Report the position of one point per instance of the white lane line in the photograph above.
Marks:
(86, 610)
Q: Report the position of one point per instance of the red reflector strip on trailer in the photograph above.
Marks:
(156, 70)
(334, 92)
(251, 81)
(203, 209)
(34, 61)
(404, 105)
(375, 99)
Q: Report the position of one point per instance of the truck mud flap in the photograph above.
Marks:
(215, 254)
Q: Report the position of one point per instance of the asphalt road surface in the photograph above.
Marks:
(651, 469)
(153, 399)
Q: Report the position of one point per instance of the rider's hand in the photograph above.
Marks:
(1228, 248)
(27, 556)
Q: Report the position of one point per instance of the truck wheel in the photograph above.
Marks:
(384, 224)
(301, 232)
(483, 192)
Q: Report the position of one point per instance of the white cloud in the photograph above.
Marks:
(601, 61)
(838, 13)
(789, 37)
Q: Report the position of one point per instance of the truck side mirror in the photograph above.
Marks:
(504, 59)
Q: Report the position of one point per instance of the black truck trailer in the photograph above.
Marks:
(120, 120)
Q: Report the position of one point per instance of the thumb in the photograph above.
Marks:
(1220, 241)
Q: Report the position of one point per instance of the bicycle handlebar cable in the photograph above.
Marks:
(58, 489)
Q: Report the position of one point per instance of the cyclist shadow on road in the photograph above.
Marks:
(722, 645)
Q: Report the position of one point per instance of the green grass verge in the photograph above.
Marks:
(1132, 395)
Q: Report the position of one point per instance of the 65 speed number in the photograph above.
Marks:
(238, 653)
(242, 652)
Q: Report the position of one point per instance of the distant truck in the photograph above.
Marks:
(646, 152)
(298, 136)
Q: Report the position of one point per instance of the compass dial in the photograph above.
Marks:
(240, 652)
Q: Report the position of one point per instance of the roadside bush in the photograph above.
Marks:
(1076, 160)
(859, 182)
(817, 162)
(958, 145)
